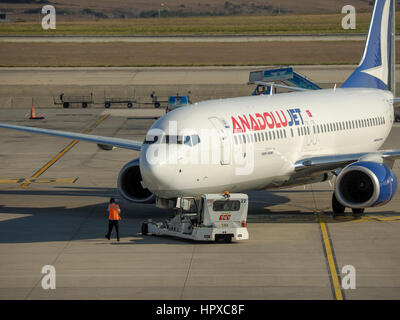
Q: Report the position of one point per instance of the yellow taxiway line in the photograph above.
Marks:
(43, 169)
(331, 262)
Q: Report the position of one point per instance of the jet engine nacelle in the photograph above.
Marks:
(365, 184)
(130, 184)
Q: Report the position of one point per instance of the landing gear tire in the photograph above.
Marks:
(228, 239)
(129, 105)
(145, 229)
(65, 105)
(84, 104)
(337, 207)
(358, 212)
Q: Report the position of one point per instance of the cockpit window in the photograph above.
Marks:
(167, 139)
(186, 140)
(150, 139)
(195, 139)
(172, 139)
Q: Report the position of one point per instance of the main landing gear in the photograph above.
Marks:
(338, 208)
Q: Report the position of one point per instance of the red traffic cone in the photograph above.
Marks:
(33, 114)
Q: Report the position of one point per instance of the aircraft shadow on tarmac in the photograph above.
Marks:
(89, 222)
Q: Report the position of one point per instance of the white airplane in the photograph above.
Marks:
(274, 141)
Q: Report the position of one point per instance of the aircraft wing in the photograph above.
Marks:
(328, 163)
(116, 142)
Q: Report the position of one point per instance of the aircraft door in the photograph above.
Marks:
(310, 139)
(314, 136)
(222, 128)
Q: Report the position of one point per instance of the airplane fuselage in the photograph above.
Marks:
(252, 143)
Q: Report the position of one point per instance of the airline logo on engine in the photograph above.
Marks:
(272, 120)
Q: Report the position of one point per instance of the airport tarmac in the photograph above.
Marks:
(296, 249)
(19, 87)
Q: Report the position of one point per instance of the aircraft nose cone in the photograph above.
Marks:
(156, 172)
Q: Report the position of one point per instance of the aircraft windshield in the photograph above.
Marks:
(227, 205)
(168, 139)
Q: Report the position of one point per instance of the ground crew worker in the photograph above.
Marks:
(113, 218)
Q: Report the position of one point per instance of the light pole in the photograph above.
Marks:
(159, 10)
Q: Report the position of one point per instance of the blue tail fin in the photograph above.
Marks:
(376, 69)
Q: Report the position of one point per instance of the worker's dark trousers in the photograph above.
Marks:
(111, 224)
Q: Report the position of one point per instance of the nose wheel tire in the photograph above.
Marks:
(337, 207)
(228, 239)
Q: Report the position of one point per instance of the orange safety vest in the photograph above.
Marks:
(113, 209)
